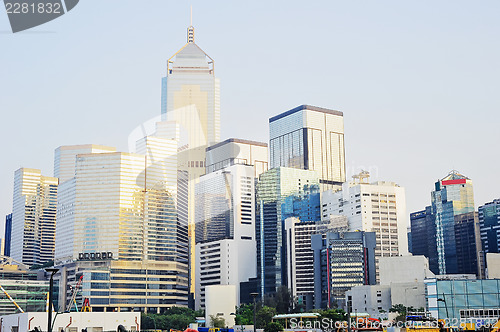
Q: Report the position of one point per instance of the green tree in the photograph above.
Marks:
(333, 314)
(273, 327)
(264, 315)
(173, 318)
(216, 321)
(244, 315)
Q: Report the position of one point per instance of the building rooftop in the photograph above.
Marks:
(305, 107)
(236, 140)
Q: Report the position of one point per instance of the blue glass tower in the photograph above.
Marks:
(8, 232)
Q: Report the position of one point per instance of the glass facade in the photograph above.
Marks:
(22, 285)
(423, 234)
(489, 220)
(306, 207)
(272, 189)
(468, 241)
(33, 217)
(346, 260)
(452, 196)
(456, 296)
(310, 138)
(8, 234)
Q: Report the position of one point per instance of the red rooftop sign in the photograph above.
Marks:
(450, 182)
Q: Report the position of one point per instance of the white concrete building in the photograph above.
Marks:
(33, 217)
(493, 264)
(72, 322)
(223, 262)
(404, 269)
(225, 230)
(370, 299)
(378, 207)
(299, 255)
(237, 151)
(221, 302)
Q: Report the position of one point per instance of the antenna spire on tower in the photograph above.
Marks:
(190, 35)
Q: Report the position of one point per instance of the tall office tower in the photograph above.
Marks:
(225, 229)
(437, 229)
(8, 234)
(310, 138)
(452, 196)
(124, 224)
(423, 233)
(468, 242)
(272, 189)
(237, 151)
(64, 169)
(33, 217)
(489, 221)
(299, 255)
(341, 261)
(65, 158)
(191, 98)
(378, 207)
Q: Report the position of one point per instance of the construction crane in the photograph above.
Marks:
(73, 296)
(362, 176)
(11, 299)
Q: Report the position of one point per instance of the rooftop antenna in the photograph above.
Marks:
(190, 36)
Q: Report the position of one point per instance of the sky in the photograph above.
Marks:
(417, 81)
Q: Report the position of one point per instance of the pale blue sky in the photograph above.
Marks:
(417, 81)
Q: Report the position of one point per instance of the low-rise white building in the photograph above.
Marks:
(72, 321)
(220, 302)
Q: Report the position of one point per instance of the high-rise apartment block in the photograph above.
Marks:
(272, 189)
(310, 138)
(378, 207)
(33, 217)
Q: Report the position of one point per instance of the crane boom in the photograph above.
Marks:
(11, 299)
(73, 296)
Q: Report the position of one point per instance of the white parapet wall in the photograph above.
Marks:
(72, 322)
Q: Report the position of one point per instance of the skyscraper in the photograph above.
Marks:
(225, 229)
(452, 196)
(65, 158)
(33, 217)
(378, 207)
(447, 231)
(423, 233)
(191, 99)
(8, 234)
(489, 219)
(310, 138)
(341, 261)
(119, 216)
(272, 189)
